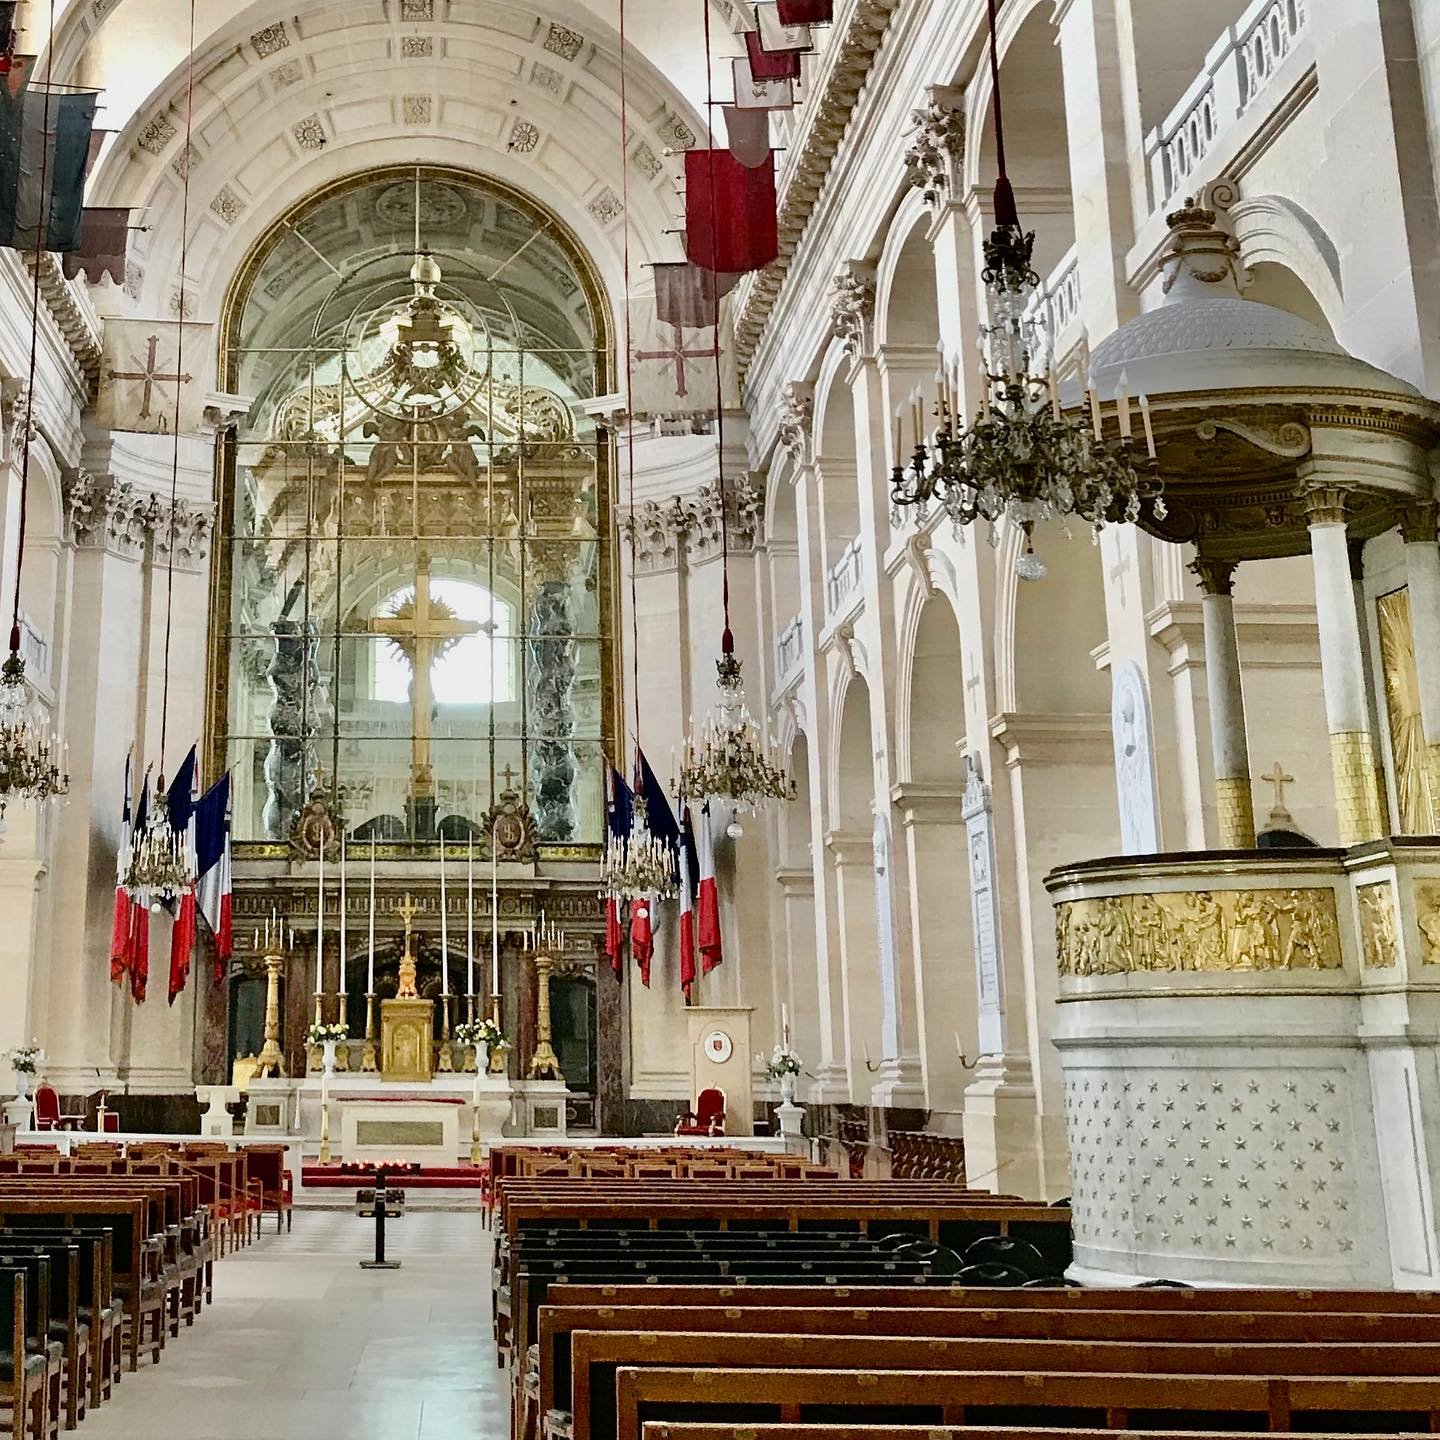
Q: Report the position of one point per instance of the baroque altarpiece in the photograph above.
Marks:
(413, 582)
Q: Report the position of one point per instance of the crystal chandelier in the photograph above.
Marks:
(732, 762)
(639, 865)
(162, 862)
(1023, 457)
(27, 758)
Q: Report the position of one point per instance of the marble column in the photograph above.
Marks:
(1234, 801)
(1342, 664)
(550, 685)
(1422, 573)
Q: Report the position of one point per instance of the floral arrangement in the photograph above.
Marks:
(466, 1033)
(783, 1061)
(28, 1059)
(320, 1032)
(487, 1032)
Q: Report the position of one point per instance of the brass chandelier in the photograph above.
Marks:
(28, 768)
(639, 865)
(162, 867)
(1023, 457)
(730, 760)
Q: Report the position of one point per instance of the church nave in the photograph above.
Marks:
(301, 1342)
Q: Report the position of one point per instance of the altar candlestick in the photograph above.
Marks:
(470, 920)
(444, 928)
(784, 1022)
(370, 965)
(344, 942)
(494, 912)
(320, 927)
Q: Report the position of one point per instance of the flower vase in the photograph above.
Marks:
(22, 1084)
(329, 1047)
(482, 1058)
(787, 1087)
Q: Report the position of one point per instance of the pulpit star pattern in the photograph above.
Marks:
(1237, 1166)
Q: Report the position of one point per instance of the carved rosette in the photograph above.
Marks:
(852, 308)
(935, 148)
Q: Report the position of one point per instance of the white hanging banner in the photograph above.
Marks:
(143, 371)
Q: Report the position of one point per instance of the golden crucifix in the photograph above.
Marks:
(423, 628)
(407, 912)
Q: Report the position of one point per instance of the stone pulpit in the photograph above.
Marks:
(407, 1050)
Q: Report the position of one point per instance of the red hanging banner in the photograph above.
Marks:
(805, 12)
(771, 65)
(729, 212)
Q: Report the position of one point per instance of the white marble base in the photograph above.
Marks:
(216, 1122)
(421, 1132)
(20, 1113)
(544, 1102)
(791, 1119)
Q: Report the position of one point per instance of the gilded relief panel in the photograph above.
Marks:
(1427, 919)
(1379, 929)
(1199, 930)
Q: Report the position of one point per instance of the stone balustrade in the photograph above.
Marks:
(789, 653)
(844, 578)
(1055, 305)
(1237, 71)
(1248, 1047)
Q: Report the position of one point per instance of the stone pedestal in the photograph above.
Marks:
(216, 1122)
(20, 1114)
(544, 1102)
(790, 1119)
(406, 1040)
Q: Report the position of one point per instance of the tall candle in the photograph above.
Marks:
(1122, 405)
(494, 913)
(785, 1022)
(444, 927)
(320, 928)
(1144, 403)
(370, 964)
(470, 917)
(344, 945)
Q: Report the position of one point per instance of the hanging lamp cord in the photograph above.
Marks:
(1006, 213)
(42, 223)
(727, 639)
(179, 393)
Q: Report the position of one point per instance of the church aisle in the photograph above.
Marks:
(302, 1342)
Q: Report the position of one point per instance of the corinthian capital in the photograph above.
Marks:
(852, 308)
(935, 145)
(796, 420)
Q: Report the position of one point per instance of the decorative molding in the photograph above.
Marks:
(114, 515)
(1199, 930)
(15, 414)
(1289, 439)
(852, 307)
(796, 420)
(662, 531)
(916, 554)
(77, 322)
(935, 154)
(854, 53)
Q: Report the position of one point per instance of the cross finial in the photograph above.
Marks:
(1279, 779)
(509, 773)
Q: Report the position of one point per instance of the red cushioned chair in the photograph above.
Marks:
(47, 1111)
(708, 1116)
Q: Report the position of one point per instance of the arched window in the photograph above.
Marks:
(474, 669)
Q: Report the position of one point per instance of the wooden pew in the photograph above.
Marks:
(1267, 1331)
(597, 1355)
(23, 1374)
(1364, 1405)
(682, 1430)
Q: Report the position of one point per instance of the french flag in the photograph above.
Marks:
(707, 900)
(120, 925)
(215, 871)
(619, 809)
(180, 801)
(138, 955)
(687, 909)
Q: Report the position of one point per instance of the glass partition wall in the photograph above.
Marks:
(414, 557)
